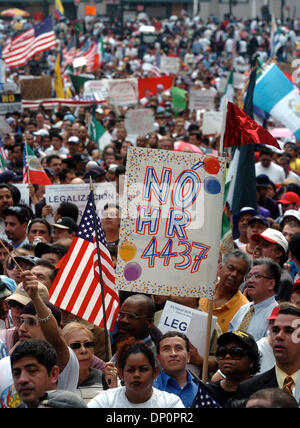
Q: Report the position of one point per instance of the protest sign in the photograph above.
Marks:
(171, 223)
(123, 92)
(191, 322)
(202, 99)
(139, 121)
(10, 103)
(212, 122)
(36, 88)
(105, 193)
(96, 88)
(169, 64)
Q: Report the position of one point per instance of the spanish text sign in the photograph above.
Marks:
(171, 223)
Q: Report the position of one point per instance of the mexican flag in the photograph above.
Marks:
(33, 172)
(99, 134)
(229, 91)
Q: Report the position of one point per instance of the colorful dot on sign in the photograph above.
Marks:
(132, 271)
(127, 250)
(211, 165)
(212, 185)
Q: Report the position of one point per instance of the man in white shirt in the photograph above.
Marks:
(267, 167)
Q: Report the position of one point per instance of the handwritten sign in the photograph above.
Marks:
(77, 194)
(169, 65)
(139, 121)
(171, 223)
(202, 99)
(123, 92)
(96, 88)
(212, 122)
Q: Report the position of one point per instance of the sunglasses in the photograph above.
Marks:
(78, 345)
(235, 353)
(28, 321)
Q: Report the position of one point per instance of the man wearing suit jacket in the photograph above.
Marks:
(285, 340)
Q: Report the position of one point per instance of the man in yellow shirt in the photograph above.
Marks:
(228, 299)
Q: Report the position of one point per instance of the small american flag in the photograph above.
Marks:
(204, 399)
(76, 287)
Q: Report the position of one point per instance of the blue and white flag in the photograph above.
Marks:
(275, 94)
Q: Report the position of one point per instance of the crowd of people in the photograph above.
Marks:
(52, 358)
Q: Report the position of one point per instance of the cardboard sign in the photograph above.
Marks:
(169, 65)
(105, 193)
(171, 223)
(139, 121)
(123, 92)
(212, 122)
(202, 99)
(36, 88)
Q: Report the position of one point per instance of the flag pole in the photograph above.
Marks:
(223, 126)
(107, 347)
(10, 255)
(207, 340)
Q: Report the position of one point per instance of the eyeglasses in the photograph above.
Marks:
(28, 321)
(131, 316)
(78, 345)
(258, 276)
(235, 353)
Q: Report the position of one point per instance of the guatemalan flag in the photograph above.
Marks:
(275, 94)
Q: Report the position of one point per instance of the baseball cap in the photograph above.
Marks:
(4, 291)
(42, 133)
(19, 212)
(59, 399)
(69, 117)
(44, 248)
(260, 219)
(20, 295)
(274, 313)
(262, 180)
(241, 336)
(296, 285)
(274, 236)
(289, 198)
(291, 213)
(32, 260)
(7, 176)
(66, 223)
(95, 172)
(74, 140)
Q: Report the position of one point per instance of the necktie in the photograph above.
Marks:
(246, 320)
(288, 385)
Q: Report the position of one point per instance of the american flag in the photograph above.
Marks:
(76, 287)
(90, 54)
(22, 48)
(204, 399)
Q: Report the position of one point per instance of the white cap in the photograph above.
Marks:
(292, 213)
(274, 236)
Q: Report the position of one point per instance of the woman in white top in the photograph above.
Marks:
(136, 366)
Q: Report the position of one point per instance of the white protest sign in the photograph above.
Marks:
(105, 193)
(202, 99)
(139, 121)
(123, 92)
(191, 322)
(24, 190)
(169, 65)
(171, 223)
(96, 88)
(212, 122)
(79, 62)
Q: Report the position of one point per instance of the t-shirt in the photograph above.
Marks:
(274, 172)
(67, 380)
(116, 398)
